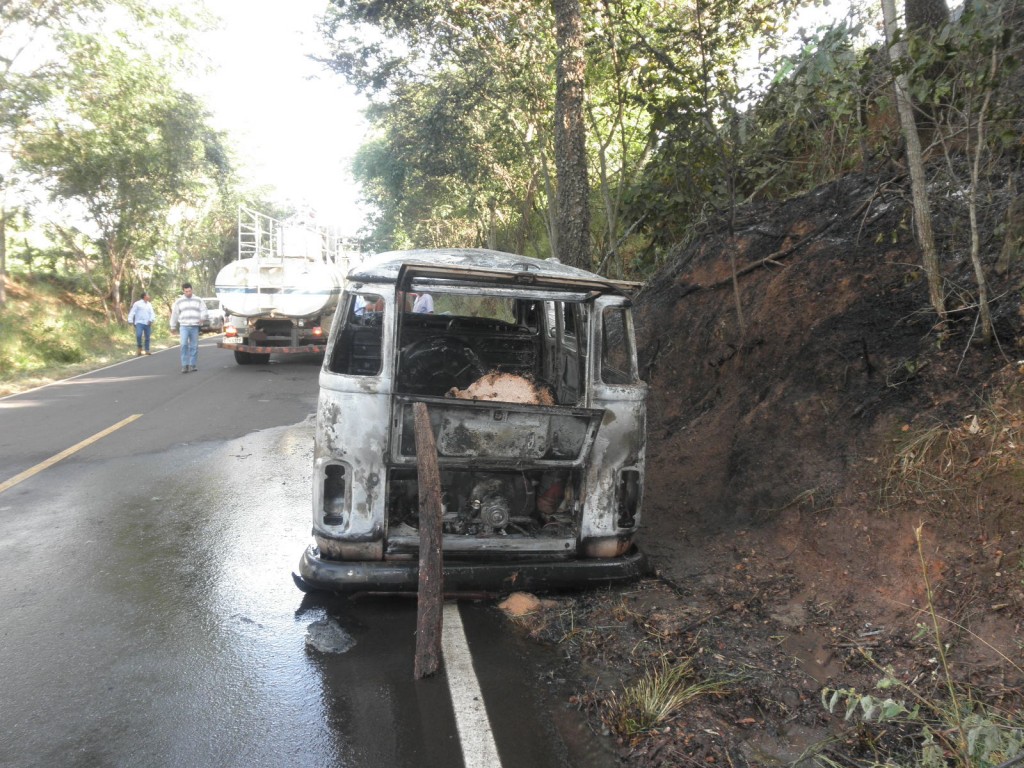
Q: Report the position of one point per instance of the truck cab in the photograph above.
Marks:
(528, 372)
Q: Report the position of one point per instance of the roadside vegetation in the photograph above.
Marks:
(113, 179)
(50, 331)
(945, 723)
(688, 167)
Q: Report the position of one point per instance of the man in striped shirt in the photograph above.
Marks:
(188, 315)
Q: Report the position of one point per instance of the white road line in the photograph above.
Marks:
(478, 747)
(69, 378)
(65, 453)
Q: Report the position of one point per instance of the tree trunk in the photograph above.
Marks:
(551, 219)
(1013, 240)
(492, 224)
(925, 14)
(119, 263)
(573, 193)
(915, 164)
(984, 310)
(115, 299)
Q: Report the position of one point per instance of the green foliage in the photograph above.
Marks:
(464, 107)
(456, 156)
(463, 104)
(51, 341)
(122, 144)
(47, 328)
(965, 79)
(689, 86)
(658, 696)
(27, 27)
(814, 120)
(955, 727)
(990, 738)
(951, 70)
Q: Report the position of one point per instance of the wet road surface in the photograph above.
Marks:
(147, 613)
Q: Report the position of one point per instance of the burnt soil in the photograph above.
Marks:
(791, 457)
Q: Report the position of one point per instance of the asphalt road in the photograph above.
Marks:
(147, 612)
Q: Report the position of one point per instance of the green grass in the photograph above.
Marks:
(48, 332)
(658, 696)
(955, 730)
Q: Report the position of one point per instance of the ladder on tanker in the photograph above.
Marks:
(258, 235)
(265, 238)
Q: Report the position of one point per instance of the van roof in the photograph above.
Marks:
(387, 267)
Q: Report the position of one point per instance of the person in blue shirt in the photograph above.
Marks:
(141, 315)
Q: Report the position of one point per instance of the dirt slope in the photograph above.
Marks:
(790, 458)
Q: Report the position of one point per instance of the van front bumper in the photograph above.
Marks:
(501, 576)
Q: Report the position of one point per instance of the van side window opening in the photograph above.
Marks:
(570, 351)
(616, 348)
(568, 321)
(358, 349)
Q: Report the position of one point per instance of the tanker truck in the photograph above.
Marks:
(280, 294)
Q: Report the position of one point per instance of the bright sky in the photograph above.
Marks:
(293, 133)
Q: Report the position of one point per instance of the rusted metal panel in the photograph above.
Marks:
(495, 433)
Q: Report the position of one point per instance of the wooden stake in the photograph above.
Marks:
(431, 576)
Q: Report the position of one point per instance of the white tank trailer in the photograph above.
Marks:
(280, 294)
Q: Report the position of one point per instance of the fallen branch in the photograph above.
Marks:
(773, 258)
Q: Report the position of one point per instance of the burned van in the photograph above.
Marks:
(528, 372)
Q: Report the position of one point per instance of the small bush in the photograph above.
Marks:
(658, 696)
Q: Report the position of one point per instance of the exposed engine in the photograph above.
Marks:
(489, 503)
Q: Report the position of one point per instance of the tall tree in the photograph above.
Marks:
(473, 80)
(130, 148)
(918, 183)
(572, 245)
(27, 31)
(462, 105)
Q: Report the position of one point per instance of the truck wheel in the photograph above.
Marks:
(243, 358)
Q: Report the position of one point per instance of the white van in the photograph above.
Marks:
(528, 370)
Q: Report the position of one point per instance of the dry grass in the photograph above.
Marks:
(945, 466)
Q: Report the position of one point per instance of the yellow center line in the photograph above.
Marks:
(7, 484)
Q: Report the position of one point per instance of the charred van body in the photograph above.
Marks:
(528, 371)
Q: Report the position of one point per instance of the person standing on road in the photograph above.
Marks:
(141, 315)
(188, 315)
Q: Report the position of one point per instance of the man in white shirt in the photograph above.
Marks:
(424, 303)
(141, 315)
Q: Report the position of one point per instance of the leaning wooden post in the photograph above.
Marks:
(429, 601)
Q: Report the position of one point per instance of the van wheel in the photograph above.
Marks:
(243, 358)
